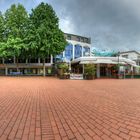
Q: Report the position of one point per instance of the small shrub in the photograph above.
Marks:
(89, 70)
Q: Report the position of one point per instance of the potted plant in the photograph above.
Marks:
(89, 71)
(63, 71)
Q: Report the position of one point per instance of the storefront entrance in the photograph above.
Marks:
(108, 71)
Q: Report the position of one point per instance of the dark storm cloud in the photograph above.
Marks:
(112, 24)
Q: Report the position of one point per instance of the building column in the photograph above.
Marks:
(6, 71)
(51, 59)
(26, 60)
(82, 50)
(73, 52)
(14, 60)
(39, 60)
(132, 71)
(63, 54)
(98, 70)
(83, 68)
(90, 51)
(2, 60)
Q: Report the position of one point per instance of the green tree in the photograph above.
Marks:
(16, 20)
(12, 48)
(16, 23)
(44, 36)
(1, 27)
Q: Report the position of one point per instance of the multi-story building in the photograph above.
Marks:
(78, 46)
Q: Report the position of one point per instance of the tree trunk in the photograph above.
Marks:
(6, 70)
(17, 64)
(44, 70)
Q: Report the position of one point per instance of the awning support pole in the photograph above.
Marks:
(83, 68)
(98, 70)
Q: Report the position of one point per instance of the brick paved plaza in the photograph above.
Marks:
(37, 108)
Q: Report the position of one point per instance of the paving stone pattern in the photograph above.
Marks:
(37, 108)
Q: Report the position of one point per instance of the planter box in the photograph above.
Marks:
(64, 76)
(89, 77)
(136, 76)
(132, 76)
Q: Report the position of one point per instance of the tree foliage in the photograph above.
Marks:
(1, 27)
(16, 20)
(11, 48)
(15, 24)
(34, 35)
(47, 38)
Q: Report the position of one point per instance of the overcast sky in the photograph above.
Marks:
(111, 24)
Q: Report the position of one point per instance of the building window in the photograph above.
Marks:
(86, 51)
(47, 59)
(82, 39)
(69, 52)
(33, 60)
(78, 38)
(1, 61)
(58, 58)
(9, 61)
(78, 51)
(21, 60)
(86, 40)
(125, 56)
(69, 37)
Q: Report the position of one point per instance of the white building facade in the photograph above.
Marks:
(132, 55)
(78, 46)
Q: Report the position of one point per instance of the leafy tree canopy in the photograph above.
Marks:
(1, 27)
(48, 38)
(16, 19)
(12, 47)
(36, 35)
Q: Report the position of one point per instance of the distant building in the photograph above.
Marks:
(132, 55)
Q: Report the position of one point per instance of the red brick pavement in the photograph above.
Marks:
(36, 108)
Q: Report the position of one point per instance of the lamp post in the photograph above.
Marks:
(118, 64)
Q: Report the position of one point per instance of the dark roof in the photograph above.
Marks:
(130, 52)
(76, 35)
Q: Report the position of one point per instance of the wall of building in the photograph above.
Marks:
(132, 56)
(76, 49)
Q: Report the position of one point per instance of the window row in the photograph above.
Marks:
(77, 51)
(78, 38)
(11, 60)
